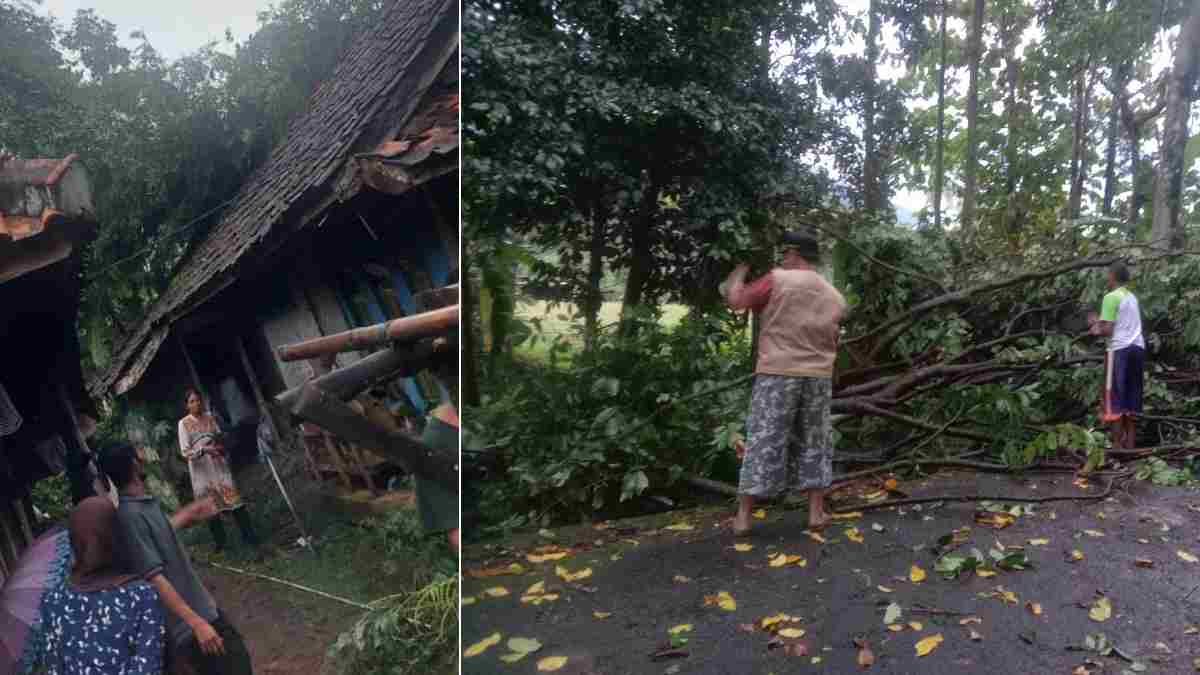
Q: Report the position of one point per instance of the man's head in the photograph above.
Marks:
(800, 249)
(120, 462)
(1118, 275)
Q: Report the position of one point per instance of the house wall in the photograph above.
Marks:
(309, 313)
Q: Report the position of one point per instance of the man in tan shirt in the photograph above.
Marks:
(789, 429)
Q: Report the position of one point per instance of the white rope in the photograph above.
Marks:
(306, 589)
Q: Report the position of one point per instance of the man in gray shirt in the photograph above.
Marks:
(199, 635)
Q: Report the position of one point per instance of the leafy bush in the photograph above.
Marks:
(52, 496)
(408, 632)
(577, 433)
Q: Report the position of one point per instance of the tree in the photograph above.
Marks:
(939, 163)
(971, 163)
(1167, 229)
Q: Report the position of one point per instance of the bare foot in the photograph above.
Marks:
(819, 521)
(741, 524)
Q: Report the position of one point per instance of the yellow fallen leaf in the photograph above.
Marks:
(916, 574)
(1093, 533)
(816, 660)
(1101, 610)
(895, 627)
(523, 645)
(1035, 607)
(496, 592)
(854, 535)
(884, 589)
(984, 573)
(875, 496)
(601, 615)
(742, 548)
(969, 620)
(1191, 630)
(680, 527)
(482, 646)
(515, 568)
(1076, 555)
(1187, 557)
(681, 628)
(546, 557)
(722, 599)
(815, 536)
(768, 621)
(760, 514)
(847, 516)
(996, 520)
(927, 645)
(469, 600)
(536, 589)
(793, 633)
(1039, 542)
(783, 559)
(680, 579)
(551, 664)
(567, 575)
(536, 600)
(916, 625)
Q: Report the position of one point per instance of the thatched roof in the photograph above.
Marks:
(387, 81)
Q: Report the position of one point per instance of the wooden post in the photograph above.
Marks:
(187, 358)
(383, 365)
(78, 454)
(335, 453)
(414, 456)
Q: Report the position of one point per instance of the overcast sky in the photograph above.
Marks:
(175, 27)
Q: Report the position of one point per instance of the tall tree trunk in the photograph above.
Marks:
(594, 299)
(871, 178)
(641, 257)
(1110, 147)
(1012, 69)
(1081, 122)
(1167, 229)
(971, 160)
(939, 161)
(470, 350)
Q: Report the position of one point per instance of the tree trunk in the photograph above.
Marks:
(470, 350)
(594, 298)
(1167, 229)
(871, 178)
(939, 158)
(971, 159)
(1081, 121)
(641, 257)
(1110, 147)
(1012, 68)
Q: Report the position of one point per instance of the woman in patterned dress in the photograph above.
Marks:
(200, 441)
(101, 620)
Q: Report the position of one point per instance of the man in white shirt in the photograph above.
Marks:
(1120, 320)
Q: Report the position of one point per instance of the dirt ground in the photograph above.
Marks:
(647, 579)
(286, 631)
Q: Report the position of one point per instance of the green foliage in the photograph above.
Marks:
(1157, 471)
(1062, 436)
(413, 631)
(52, 496)
(577, 435)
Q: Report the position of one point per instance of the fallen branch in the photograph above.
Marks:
(982, 498)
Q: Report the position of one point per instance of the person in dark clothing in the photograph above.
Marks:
(199, 635)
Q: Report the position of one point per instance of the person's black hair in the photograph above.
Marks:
(804, 244)
(1120, 272)
(119, 462)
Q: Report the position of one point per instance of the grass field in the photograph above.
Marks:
(561, 320)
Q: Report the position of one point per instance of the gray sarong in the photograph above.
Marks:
(790, 436)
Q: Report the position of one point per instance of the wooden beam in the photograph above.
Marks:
(406, 329)
(417, 458)
(345, 383)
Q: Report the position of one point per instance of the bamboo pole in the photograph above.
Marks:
(405, 329)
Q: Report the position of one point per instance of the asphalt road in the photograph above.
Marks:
(649, 579)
